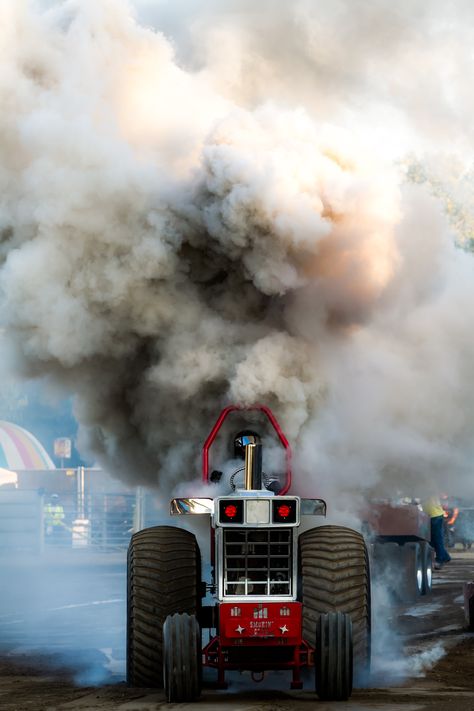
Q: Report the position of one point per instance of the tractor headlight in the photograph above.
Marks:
(257, 511)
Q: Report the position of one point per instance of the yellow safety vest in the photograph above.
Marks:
(53, 515)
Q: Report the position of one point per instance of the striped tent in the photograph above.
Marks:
(19, 449)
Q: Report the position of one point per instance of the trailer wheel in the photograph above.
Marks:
(335, 577)
(333, 656)
(163, 574)
(386, 564)
(411, 572)
(427, 562)
(182, 671)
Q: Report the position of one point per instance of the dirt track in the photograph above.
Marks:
(416, 634)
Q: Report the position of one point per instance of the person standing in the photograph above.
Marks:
(54, 519)
(432, 506)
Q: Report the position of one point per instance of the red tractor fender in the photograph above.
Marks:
(274, 422)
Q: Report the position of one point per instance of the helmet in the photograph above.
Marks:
(242, 439)
(54, 497)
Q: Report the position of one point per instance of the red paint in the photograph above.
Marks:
(260, 622)
(249, 649)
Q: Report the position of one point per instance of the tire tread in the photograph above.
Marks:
(336, 578)
(163, 570)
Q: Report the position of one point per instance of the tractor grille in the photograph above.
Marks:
(257, 561)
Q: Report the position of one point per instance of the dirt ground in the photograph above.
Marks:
(423, 659)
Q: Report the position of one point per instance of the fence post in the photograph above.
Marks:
(81, 527)
(41, 525)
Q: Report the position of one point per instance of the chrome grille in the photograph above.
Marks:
(257, 561)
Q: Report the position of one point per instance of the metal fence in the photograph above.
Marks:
(103, 521)
(34, 522)
(74, 508)
(21, 521)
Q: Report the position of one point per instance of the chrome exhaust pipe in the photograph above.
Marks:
(253, 467)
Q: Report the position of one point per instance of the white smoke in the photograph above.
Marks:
(208, 215)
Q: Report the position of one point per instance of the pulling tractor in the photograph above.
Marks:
(283, 594)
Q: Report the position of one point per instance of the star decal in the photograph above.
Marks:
(239, 629)
(284, 629)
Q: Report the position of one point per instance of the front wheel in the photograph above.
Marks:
(182, 658)
(334, 656)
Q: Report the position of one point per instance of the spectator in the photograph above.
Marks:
(54, 520)
(432, 506)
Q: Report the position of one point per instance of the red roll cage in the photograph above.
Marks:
(274, 422)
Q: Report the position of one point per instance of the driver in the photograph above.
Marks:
(242, 439)
(245, 437)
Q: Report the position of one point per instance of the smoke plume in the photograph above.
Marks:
(207, 203)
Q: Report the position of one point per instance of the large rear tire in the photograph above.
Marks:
(333, 657)
(162, 578)
(182, 670)
(335, 577)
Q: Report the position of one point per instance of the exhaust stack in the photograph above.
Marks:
(253, 467)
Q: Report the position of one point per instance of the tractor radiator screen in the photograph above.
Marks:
(258, 561)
